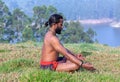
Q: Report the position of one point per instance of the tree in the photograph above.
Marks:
(19, 19)
(91, 33)
(50, 10)
(39, 15)
(74, 33)
(1, 33)
(5, 17)
(27, 33)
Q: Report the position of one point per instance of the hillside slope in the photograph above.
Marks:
(20, 62)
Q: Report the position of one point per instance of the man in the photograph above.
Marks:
(52, 47)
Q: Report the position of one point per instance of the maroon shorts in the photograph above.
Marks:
(53, 64)
(48, 65)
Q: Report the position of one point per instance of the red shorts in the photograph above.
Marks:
(48, 65)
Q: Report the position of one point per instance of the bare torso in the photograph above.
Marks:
(48, 52)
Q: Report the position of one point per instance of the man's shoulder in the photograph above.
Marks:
(54, 38)
(51, 37)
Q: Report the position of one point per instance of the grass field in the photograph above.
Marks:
(20, 63)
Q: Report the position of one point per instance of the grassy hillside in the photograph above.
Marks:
(20, 62)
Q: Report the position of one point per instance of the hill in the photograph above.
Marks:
(20, 63)
(73, 9)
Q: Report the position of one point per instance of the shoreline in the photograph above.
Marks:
(96, 21)
(93, 21)
(111, 22)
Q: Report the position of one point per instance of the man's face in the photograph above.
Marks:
(59, 27)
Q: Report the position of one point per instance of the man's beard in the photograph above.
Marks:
(58, 30)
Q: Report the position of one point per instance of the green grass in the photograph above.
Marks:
(83, 76)
(20, 63)
(3, 51)
(16, 64)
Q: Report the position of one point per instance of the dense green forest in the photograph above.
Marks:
(73, 9)
(16, 26)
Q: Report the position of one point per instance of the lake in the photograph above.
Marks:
(106, 34)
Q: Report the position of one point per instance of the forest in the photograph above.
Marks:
(72, 9)
(16, 26)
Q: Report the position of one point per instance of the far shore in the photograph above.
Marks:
(111, 22)
(94, 21)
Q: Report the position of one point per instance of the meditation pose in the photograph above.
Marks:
(52, 48)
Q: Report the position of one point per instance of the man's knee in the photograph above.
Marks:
(75, 66)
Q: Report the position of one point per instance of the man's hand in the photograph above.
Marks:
(88, 66)
(80, 57)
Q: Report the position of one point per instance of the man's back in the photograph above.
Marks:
(48, 52)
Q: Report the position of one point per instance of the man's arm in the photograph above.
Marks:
(70, 52)
(61, 49)
(79, 56)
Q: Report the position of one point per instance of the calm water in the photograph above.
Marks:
(106, 34)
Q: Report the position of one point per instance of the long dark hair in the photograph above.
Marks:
(55, 18)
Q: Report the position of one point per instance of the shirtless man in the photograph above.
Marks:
(52, 47)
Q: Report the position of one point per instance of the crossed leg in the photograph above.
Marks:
(68, 66)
